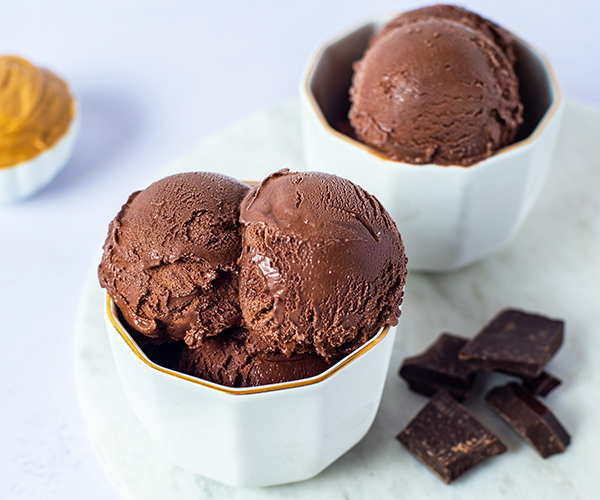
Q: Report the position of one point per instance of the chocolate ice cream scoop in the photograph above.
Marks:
(437, 85)
(498, 35)
(170, 257)
(322, 265)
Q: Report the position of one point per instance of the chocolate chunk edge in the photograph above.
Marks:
(449, 460)
(438, 367)
(478, 355)
(529, 417)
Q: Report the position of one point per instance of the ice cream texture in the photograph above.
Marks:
(169, 260)
(251, 287)
(226, 360)
(437, 85)
(36, 110)
(322, 266)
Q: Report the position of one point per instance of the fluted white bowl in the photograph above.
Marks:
(255, 436)
(449, 216)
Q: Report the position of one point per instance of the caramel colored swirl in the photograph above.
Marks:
(36, 110)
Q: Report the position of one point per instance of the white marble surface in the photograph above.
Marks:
(552, 267)
(153, 78)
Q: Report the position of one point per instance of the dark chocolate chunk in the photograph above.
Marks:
(542, 385)
(439, 368)
(514, 342)
(529, 417)
(448, 439)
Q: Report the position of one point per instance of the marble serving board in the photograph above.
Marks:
(552, 267)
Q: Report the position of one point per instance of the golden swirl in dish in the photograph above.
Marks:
(36, 109)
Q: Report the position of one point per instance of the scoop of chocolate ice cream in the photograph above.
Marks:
(170, 257)
(498, 35)
(322, 265)
(226, 360)
(437, 85)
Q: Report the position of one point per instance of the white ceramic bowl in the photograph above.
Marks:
(449, 217)
(26, 178)
(256, 436)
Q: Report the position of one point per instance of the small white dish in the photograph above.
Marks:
(449, 216)
(26, 178)
(255, 436)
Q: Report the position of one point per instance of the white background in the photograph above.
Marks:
(154, 78)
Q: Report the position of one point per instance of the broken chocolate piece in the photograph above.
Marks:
(529, 417)
(514, 342)
(448, 439)
(439, 368)
(542, 385)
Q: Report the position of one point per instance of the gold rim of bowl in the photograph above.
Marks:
(241, 390)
